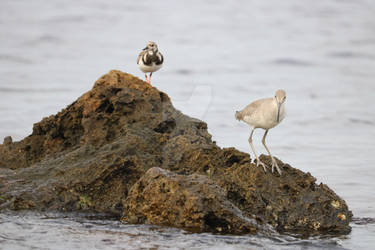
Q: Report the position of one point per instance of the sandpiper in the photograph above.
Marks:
(150, 60)
(264, 113)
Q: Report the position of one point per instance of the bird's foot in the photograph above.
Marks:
(274, 165)
(262, 164)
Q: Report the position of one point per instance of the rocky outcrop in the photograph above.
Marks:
(104, 151)
(192, 202)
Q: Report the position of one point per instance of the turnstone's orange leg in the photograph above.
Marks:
(149, 79)
(146, 77)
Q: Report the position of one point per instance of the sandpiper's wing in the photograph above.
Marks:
(159, 59)
(141, 55)
(251, 108)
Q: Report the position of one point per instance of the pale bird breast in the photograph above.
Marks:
(282, 112)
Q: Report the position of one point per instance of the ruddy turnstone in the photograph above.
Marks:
(150, 60)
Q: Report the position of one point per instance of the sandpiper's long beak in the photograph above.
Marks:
(145, 48)
(278, 111)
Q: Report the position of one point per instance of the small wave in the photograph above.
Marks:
(350, 55)
(367, 41)
(361, 121)
(291, 62)
(45, 39)
(363, 221)
(66, 19)
(29, 90)
(183, 72)
(15, 59)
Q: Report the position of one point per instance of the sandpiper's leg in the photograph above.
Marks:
(274, 163)
(253, 149)
(149, 79)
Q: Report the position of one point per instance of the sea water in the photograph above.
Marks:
(219, 56)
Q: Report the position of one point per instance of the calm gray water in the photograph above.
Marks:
(219, 56)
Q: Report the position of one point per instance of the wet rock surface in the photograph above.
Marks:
(103, 152)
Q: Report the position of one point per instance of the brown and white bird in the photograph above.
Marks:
(264, 113)
(150, 60)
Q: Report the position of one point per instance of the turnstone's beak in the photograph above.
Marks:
(145, 48)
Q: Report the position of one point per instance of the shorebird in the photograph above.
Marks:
(264, 113)
(150, 60)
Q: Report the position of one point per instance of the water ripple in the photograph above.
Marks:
(361, 121)
(351, 55)
(363, 221)
(61, 228)
(14, 59)
(33, 90)
(291, 62)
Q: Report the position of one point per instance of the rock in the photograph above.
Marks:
(192, 202)
(8, 140)
(95, 154)
(292, 202)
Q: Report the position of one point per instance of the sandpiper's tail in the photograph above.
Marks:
(238, 115)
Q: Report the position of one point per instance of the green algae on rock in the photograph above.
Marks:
(95, 154)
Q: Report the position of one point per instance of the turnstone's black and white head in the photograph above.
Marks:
(150, 60)
(151, 46)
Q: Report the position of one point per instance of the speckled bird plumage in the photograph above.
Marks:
(150, 60)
